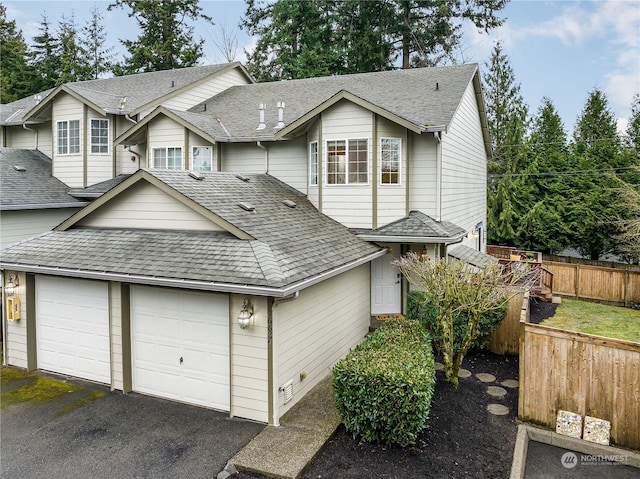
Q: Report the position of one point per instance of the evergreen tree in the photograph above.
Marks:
(632, 138)
(13, 67)
(99, 56)
(596, 153)
(72, 56)
(166, 39)
(43, 56)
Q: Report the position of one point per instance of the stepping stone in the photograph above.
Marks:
(439, 366)
(464, 373)
(486, 377)
(498, 409)
(496, 391)
(510, 383)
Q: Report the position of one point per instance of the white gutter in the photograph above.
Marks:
(44, 206)
(194, 284)
(412, 239)
(266, 156)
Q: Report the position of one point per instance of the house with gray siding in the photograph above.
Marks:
(222, 203)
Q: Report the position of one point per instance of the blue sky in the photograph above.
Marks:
(558, 49)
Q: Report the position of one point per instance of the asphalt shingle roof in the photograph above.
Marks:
(289, 245)
(33, 188)
(422, 96)
(471, 256)
(418, 224)
(98, 189)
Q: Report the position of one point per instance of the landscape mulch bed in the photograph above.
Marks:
(461, 440)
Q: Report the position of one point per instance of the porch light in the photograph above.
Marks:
(424, 255)
(245, 316)
(11, 285)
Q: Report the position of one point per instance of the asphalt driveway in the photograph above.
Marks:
(95, 433)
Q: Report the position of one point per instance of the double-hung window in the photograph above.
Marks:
(390, 155)
(68, 137)
(347, 162)
(313, 163)
(201, 158)
(169, 158)
(100, 136)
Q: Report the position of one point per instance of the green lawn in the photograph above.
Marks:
(598, 319)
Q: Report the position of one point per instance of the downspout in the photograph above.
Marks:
(127, 117)
(293, 297)
(4, 322)
(266, 156)
(436, 135)
(24, 125)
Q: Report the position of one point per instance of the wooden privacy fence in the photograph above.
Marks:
(581, 373)
(505, 339)
(619, 287)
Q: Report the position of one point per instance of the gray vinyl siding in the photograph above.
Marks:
(243, 158)
(288, 162)
(391, 199)
(422, 173)
(316, 330)
(144, 206)
(45, 138)
(16, 331)
(464, 163)
(18, 137)
(100, 167)
(124, 164)
(351, 205)
(19, 225)
(250, 362)
(164, 133)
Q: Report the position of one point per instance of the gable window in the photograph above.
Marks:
(202, 158)
(347, 162)
(68, 137)
(170, 158)
(100, 136)
(390, 155)
(313, 163)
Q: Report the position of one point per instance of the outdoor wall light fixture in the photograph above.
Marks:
(245, 316)
(11, 285)
(424, 255)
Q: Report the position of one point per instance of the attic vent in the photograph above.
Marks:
(246, 206)
(19, 168)
(242, 178)
(196, 175)
(287, 389)
(290, 204)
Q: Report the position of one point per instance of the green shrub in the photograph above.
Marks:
(427, 313)
(383, 387)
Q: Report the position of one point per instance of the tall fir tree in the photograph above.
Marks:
(14, 72)
(72, 56)
(43, 56)
(166, 37)
(94, 38)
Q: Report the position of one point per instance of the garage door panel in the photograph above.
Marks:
(72, 327)
(170, 324)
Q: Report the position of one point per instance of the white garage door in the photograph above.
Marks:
(72, 327)
(180, 345)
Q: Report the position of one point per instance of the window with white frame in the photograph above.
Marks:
(68, 137)
(100, 136)
(347, 162)
(169, 158)
(202, 158)
(313, 163)
(390, 155)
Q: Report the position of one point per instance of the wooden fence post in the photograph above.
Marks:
(577, 281)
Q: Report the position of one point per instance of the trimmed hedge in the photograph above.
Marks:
(427, 313)
(383, 387)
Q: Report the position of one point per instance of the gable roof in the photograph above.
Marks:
(289, 245)
(104, 95)
(471, 256)
(416, 228)
(26, 182)
(424, 98)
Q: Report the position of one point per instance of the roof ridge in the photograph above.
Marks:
(267, 261)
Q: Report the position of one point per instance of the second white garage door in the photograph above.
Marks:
(180, 345)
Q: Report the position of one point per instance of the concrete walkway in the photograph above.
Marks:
(284, 451)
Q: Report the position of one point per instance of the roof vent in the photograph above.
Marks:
(196, 175)
(204, 107)
(19, 168)
(290, 204)
(243, 178)
(261, 124)
(280, 124)
(173, 83)
(246, 206)
(122, 103)
(37, 98)
(437, 86)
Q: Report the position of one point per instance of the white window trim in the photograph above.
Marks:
(399, 183)
(325, 155)
(91, 153)
(57, 146)
(166, 151)
(210, 156)
(316, 172)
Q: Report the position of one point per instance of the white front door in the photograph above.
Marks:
(386, 284)
(72, 327)
(180, 345)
